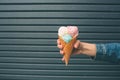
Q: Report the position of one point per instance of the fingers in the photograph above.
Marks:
(60, 47)
(63, 59)
(77, 44)
(58, 41)
(61, 52)
(59, 44)
(76, 50)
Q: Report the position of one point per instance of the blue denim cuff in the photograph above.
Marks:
(100, 52)
(108, 52)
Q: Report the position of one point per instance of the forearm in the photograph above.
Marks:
(88, 49)
(102, 52)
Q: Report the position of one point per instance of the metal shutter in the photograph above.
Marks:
(28, 33)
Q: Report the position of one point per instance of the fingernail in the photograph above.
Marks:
(63, 59)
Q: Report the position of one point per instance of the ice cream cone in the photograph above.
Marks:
(68, 48)
(67, 36)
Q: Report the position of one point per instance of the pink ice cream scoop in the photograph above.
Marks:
(72, 30)
(62, 31)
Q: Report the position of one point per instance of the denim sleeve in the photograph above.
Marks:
(108, 52)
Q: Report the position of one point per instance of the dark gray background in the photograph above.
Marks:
(28, 33)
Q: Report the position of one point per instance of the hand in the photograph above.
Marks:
(76, 50)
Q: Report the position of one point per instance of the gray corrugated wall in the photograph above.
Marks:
(28, 33)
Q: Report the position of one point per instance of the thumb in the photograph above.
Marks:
(77, 44)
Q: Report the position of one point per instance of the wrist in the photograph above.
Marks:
(88, 49)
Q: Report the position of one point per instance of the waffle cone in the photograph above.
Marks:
(68, 48)
(62, 41)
